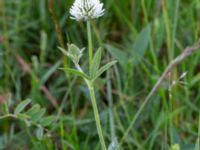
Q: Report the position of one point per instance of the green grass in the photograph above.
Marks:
(143, 35)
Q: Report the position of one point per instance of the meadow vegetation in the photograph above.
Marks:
(45, 107)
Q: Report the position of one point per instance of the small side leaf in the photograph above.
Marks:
(140, 45)
(33, 110)
(104, 68)
(114, 145)
(76, 72)
(47, 121)
(40, 133)
(38, 115)
(95, 63)
(63, 51)
(27, 122)
(21, 106)
(23, 116)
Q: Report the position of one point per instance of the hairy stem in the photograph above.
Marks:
(95, 109)
(96, 115)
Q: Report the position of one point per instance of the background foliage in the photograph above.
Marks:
(143, 35)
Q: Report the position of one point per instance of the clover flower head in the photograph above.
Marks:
(86, 10)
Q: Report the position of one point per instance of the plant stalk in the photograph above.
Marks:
(95, 109)
(96, 115)
(89, 33)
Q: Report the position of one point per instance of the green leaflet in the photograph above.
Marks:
(104, 68)
(76, 72)
(21, 106)
(95, 63)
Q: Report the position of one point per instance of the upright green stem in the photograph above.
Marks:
(89, 33)
(96, 115)
(91, 88)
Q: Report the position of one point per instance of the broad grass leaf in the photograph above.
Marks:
(21, 106)
(139, 47)
(187, 147)
(46, 76)
(119, 55)
(175, 135)
(159, 33)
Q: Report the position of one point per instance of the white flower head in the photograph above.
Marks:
(86, 10)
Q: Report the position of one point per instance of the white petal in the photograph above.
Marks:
(86, 9)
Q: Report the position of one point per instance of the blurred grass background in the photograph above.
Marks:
(143, 35)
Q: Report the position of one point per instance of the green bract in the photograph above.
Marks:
(74, 52)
